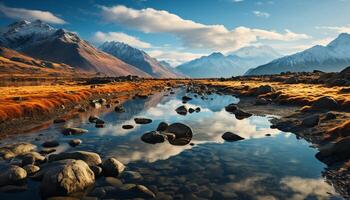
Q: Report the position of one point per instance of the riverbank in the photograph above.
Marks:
(28, 107)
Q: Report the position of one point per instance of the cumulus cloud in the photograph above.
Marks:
(21, 13)
(121, 37)
(192, 34)
(261, 14)
(174, 58)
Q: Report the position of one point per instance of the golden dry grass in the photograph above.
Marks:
(297, 94)
(43, 99)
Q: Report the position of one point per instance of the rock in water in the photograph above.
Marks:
(325, 103)
(142, 121)
(74, 131)
(119, 109)
(231, 137)
(153, 137)
(231, 107)
(112, 167)
(32, 158)
(13, 174)
(63, 180)
(182, 110)
(183, 134)
(12, 150)
(89, 157)
(31, 169)
(75, 142)
(162, 126)
(127, 126)
(50, 144)
(240, 114)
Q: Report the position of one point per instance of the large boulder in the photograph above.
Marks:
(62, 180)
(325, 103)
(183, 134)
(89, 157)
(12, 150)
(12, 174)
(112, 167)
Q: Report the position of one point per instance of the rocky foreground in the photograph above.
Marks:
(322, 118)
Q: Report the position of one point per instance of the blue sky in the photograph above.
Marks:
(180, 30)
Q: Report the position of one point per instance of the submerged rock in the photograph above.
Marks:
(231, 137)
(112, 167)
(12, 174)
(89, 157)
(131, 176)
(12, 150)
(182, 110)
(142, 121)
(74, 176)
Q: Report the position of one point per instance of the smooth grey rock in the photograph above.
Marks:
(182, 110)
(90, 158)
(12, 150)
(153, 137)
(112, 167)
(71, 177)
(231, 137)
(12, 174)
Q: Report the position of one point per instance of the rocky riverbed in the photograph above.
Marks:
(188, 141)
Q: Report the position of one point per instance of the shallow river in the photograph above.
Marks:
(260, 167)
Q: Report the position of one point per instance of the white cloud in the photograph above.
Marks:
(261, 14)
(21, 13)
(174, 58)
(337, 29)
(121, 37)
(192, 34)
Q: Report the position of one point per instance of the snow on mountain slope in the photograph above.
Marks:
(235, 64)
(138, 58)
(40, 40)
(214, 65)
(331, 58)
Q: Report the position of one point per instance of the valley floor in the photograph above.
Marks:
(316, 112)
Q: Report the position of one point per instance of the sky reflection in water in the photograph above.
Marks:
(260, 167)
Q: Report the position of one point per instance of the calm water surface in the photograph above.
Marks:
(259, 167)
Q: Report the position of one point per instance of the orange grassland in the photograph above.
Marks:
(26, 101)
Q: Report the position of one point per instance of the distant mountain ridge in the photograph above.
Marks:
(234, 64)
(139, 59)
(41, 41)
(331, 58)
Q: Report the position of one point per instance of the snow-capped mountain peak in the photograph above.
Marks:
(137, 58)
(256, 51)
(333, 57)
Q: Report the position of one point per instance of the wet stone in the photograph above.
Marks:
(142, 121)
(127, 126)
(50, 144)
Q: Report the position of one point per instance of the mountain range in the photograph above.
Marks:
(234, 64)
(139, 59)
(41, 41)
(331, 58)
